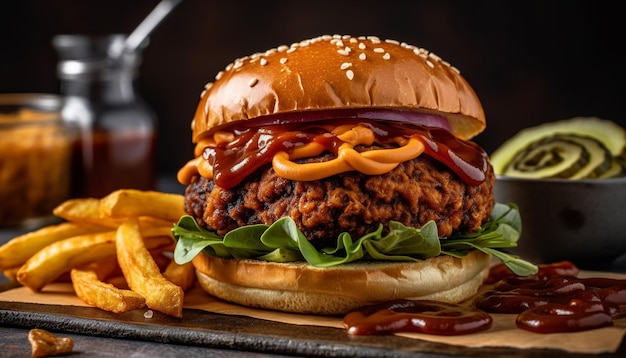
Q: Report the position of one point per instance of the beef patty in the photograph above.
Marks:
(414, 193)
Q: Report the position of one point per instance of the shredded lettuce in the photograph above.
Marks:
(284, 242)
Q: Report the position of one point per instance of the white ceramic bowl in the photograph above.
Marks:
(583, 221)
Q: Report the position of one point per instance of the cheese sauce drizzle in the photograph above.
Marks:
(229, 157)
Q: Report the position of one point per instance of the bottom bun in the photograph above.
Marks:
(302, 288)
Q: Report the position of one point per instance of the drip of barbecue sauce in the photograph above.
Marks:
(555, 299)
(421, 316)
(551, 301)
(256, 146)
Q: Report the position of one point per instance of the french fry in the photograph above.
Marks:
(93, 291)
(90, 211)
(54, 259)
(83, 210)
(180, 275)
(103, 267)
(61, 256)
(142, 273)
(19, 249)
(135, 203)
(11, 273)
(148, 229)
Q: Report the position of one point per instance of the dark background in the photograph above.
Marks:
(529, 61)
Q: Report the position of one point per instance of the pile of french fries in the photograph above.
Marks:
(116, 250)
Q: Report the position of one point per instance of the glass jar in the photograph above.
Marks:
(35, 158)
(117, 142)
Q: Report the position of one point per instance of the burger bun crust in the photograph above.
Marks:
(363, 72)
(301, 288)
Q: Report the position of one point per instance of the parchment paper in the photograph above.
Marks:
(503, 333)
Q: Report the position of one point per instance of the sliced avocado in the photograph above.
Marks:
(609, 134)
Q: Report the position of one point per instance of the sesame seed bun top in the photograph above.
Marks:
(332, 72)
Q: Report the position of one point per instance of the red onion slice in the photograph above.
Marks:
(409, 117)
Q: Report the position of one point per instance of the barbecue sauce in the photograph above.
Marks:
(254, 147)
(105, 161)
(115, 146)
(554, 300)
(421, 316)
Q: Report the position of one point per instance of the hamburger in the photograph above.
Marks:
(337, 172)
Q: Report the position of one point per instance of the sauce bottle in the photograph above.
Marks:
(116, 145)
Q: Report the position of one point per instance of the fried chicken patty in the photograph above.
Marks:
(414, 193)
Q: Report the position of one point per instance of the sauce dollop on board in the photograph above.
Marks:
(554, 300)
(422, 316)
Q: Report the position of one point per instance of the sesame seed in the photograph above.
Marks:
(208, 85)
(362, 46)
(238, 64)
(353, 40)
(343, 52)
(434, 57)
(350, 74)
(192, 123)
(430, 64)
(392, 42)
(455, 69)
(229, 66)
(219, 75)
(348, 49)
(253, 82)
(362, 56)
(386, 56)
(263, 61)
(345, 65)
(291, 49)
(283, 60)
(282, 48)
(379, 50)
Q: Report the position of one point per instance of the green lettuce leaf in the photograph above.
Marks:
(284, 242)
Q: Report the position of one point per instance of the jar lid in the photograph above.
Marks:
(84, 55)
(21, 108)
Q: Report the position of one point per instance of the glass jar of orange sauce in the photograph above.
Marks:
(35, 159)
